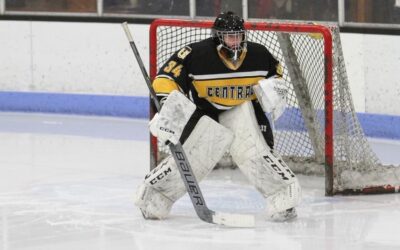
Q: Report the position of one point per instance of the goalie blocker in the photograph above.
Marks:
(238, 132)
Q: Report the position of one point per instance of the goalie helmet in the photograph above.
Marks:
(229, 34)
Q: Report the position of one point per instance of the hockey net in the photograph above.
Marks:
(319, 133)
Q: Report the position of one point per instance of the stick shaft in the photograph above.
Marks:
(141, 65)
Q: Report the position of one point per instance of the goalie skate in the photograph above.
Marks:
(286, 215)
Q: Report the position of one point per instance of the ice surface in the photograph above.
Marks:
(67, 182)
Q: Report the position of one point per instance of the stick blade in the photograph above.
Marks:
(234, 220)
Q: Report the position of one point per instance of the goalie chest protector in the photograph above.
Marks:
(211, 82)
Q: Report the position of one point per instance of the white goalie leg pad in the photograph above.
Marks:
(258, 162)
(168, 124)
(152, 203)
(204, 147)
(285, 199)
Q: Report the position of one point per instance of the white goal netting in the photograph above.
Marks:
(300, 134)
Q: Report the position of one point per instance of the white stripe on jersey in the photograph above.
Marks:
(221, 107)
(229, 75)
(165, 76)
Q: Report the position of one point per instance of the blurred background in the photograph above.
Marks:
(365, 13)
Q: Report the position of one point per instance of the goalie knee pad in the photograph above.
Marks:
(258, 162)
(204, 147)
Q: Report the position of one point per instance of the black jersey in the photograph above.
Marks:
(213, 83)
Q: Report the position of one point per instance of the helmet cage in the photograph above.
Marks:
(233, 52)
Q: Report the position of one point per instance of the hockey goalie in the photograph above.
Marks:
(214, 95)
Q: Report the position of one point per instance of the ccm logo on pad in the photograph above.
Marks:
(167, 130)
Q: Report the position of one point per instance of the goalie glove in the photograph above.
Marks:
(271, 93)
(168, 124)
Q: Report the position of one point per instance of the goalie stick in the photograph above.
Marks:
(185, 170)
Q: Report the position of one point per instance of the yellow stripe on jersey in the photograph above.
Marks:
(164, 85)
(227, 92)
(279, 70)
(230, 64)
